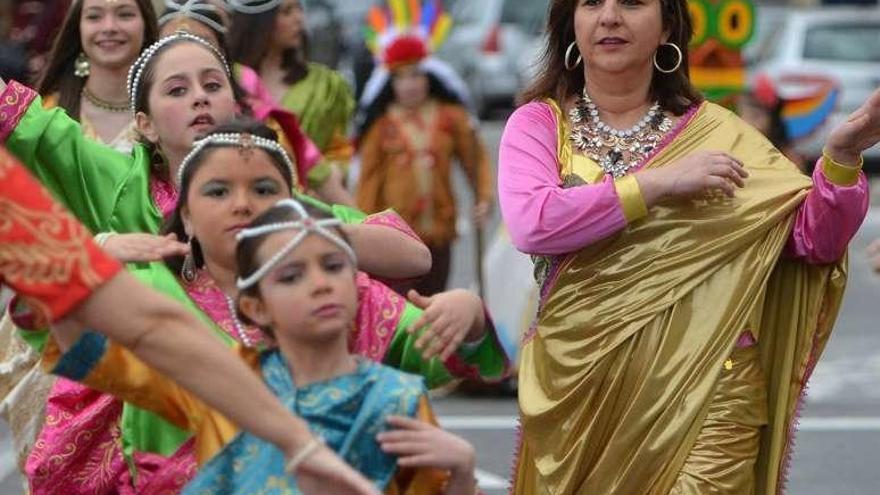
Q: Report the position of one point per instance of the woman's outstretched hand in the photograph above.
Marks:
(861, 131)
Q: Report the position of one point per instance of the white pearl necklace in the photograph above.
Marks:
(602, 126)
(242, 335)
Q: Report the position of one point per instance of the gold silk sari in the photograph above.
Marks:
(632, 333)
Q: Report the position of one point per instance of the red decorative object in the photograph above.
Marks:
(405, 50)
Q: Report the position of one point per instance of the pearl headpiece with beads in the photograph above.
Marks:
(244, 141)
(137, 68)
(306, 225)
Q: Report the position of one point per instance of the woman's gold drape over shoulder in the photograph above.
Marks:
(633, 331)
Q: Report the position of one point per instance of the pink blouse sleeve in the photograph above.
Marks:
(542, 216)
(831, 214)
(259, 97)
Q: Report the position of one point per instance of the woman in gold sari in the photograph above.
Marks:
(690, 275)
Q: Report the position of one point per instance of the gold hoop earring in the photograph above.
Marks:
(677, 65)
(569, 66)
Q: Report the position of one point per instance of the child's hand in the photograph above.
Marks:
(419, 444)
(144, 248)
(452, 317)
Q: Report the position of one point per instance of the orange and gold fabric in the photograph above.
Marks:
(406, 165)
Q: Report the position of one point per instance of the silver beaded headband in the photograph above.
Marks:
(306, 226)
(192, 9)
(253, 6)
(244, 141)
(137, 68)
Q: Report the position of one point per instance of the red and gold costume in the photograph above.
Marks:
(46, 255)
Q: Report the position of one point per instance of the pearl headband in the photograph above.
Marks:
(192, 9)
(253, 6)
(244, 141)
(137, 68)
(306, 225)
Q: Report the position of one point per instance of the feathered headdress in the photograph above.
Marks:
(406, 31)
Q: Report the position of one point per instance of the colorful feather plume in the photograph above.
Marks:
(423, 19)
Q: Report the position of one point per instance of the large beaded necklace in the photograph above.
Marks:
(616, 151)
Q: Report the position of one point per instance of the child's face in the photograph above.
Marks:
(189, 96)
(112, 33)
(311, 294)
(289, 25)
(410, 85)
(229, 189)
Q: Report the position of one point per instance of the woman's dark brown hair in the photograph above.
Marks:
(246, 250)
(249, 40)
(674, 91)
(174, 224)
(58, 74)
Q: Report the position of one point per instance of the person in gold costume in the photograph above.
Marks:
(690, 275)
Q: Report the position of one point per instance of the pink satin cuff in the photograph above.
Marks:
(828, 219)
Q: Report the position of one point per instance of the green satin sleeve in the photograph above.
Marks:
(487, 359)
(346, 214)
(323, 104)
(35, 339)
(83, 174)
(319, 174)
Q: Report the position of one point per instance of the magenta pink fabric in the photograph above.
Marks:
(158, 475)
(378, 315)
(78, 451)
(14, 101)
(164, 195)
(828, 219)
(390, 218)
(543, 218)
(259, 97)
(210, 299)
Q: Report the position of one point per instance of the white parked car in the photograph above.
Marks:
(840, 43)
(489, 44)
